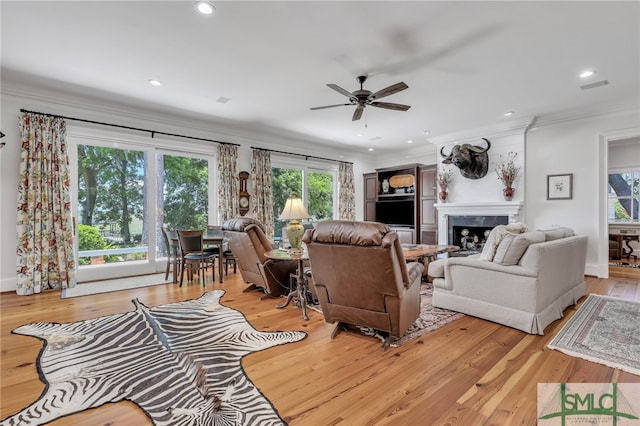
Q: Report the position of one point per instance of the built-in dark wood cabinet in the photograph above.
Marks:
(400, 196)
(370, 196)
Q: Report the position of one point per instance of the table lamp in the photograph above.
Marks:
(293, 211)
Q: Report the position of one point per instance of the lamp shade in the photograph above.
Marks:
(294, 209)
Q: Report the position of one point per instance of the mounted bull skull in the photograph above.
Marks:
(472, 160)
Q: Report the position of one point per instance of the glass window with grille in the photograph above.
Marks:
(624, 196)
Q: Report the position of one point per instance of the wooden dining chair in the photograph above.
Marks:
(223, 253)
(172, 246)
(194, 258)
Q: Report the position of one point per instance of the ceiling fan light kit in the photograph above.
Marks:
(362, 97)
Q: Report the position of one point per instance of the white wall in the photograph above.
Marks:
(15, 97)
(574, 147)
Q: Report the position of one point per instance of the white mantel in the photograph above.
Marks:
(491, 208)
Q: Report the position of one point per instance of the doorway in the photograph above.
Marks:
(622, 204)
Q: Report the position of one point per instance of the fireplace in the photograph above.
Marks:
(470, 232)
(476, 218)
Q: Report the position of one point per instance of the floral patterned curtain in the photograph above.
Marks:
(228, 182)
(346, 194)
(45, 223)
(261, 194)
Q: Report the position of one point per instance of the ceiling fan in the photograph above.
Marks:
(361, 98)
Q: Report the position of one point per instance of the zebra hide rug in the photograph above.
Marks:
(180, 363)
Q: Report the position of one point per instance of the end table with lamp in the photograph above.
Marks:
(293, 211)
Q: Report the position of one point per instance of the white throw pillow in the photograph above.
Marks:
(511, 249)
(495, 237)
(514, 246)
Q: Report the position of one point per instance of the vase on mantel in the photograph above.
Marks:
(508, 193)
(443, 196)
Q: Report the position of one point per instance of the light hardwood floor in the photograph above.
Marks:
(471, 372)
(621, 272)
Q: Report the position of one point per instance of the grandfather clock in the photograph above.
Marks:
(244, 194)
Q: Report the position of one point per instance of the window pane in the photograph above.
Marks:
(284, 183)
(623, 193)
(320, 195)
(183, 197)
(111, 205)
(616, 212)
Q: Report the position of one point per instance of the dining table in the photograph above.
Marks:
(210, 238)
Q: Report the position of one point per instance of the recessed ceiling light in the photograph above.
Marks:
(205, 7)
(360, 134)
(426, 132)
(509, 113)
(155, 82)
(586, 73)
(370, 149)
(409, 141)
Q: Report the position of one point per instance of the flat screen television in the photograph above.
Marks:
(395, 212)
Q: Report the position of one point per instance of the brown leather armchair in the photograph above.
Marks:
(249, 243)
(361, 277)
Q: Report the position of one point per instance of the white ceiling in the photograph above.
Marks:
(466, 63)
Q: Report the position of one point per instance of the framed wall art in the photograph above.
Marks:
(560, 187)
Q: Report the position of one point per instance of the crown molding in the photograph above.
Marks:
(561, 119)
(47, 100)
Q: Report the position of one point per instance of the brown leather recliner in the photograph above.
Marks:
(361, 277)
(248, 243)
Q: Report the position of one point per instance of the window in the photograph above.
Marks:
(624, 196)
(127, 189)
(111, 205)
(315, 185)
(184, 201)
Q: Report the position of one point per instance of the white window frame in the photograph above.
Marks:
(78, 135)
(309, 165)
(622, 170)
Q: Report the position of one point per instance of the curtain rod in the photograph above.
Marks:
(153, 132)
(306, 157)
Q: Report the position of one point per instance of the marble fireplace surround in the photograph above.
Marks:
(511, 209)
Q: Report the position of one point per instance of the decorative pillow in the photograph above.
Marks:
(513, 246)
(558, 233)
(496, 236)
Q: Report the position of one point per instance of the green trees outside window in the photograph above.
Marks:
(113, 194)
(316, 187)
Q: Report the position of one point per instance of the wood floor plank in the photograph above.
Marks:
(471, 371)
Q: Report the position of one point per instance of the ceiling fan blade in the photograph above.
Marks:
(358, 113)
(389, 90)
(328, 106)
(340, 90)
(387, 105)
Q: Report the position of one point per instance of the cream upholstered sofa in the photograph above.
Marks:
(527, 283)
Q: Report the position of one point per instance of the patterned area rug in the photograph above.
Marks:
(605, 330)
(430, 318)
(625, 265)
(180, 363)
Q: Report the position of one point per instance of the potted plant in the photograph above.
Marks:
(507, 172)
